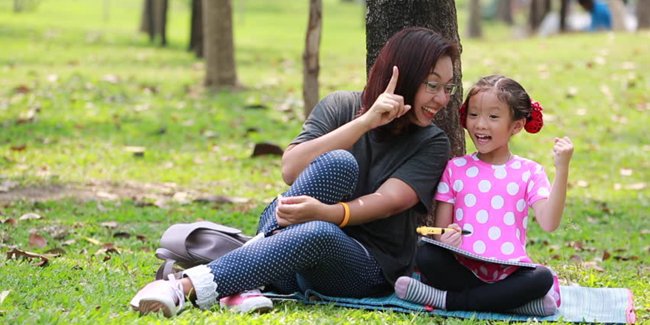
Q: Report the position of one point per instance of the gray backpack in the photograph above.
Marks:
(190, 244)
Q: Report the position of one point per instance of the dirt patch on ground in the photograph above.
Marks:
(156, 194)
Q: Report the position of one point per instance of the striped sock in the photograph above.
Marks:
(544, 306)
(415, 291)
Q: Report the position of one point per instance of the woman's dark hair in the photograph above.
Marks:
(507, 91)
(415, 51)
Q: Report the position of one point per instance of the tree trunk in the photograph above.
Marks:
(564, 11)
(474, 22)
(538, 10)
(617, 8)
(153, 20)
(160, 11)
(386, 17)
(311, 65)
(504, 11)
(218, 44)
(196, 29)
(643, 14)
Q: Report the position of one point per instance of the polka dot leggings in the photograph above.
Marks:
(315, 255)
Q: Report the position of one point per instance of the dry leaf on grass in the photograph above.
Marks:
(30, 216)
(36, 240)
(16, 253)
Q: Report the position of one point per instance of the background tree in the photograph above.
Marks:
(474, 21)
(538, 10)
(310, 58)
(643, 14)
(564, 11)
(196, 28)
(218, 44)
(504, 11)
(617, 8)
(386, 17)
(154, 20)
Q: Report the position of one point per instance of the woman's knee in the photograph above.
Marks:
(319, 232)
(339, 160)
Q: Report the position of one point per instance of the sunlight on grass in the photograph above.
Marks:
(79, 86)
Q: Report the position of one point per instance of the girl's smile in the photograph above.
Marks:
(490, 126)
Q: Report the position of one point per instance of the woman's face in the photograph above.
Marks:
(433, 94)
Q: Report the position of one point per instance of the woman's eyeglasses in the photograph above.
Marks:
(436, 87)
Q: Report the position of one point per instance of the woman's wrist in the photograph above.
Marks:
(346, 214)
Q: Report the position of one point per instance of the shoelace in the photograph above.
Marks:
(177, 289)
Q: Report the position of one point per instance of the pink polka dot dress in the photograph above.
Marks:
(492, 202)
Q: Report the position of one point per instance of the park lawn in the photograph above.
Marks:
(78, 86)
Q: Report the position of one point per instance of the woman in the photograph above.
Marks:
(361, 171)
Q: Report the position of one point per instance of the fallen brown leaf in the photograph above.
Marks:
(36, 240)
(16, 253)
(10, 221)
(606, 255)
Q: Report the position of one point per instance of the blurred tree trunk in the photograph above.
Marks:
(154, 20)
(310, 58)
(386, 17)
(538, 10)
(196, 29)
(617, 8)
(564, 11)
(504, 11)
(474, 21)
(218, 44)
(643, 14)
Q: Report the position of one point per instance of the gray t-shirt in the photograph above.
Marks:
(416, 158)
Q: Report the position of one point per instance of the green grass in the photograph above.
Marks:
(95, 86)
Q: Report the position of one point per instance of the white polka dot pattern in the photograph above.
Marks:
(492, 201)
(319, 253)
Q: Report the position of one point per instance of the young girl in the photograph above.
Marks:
(488, 193)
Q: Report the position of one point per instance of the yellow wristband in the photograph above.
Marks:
(346, 214)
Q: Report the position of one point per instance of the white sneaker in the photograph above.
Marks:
(247, 301)
(160, 295)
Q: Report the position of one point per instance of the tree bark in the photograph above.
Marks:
(386, 17)
(153, 20)
(474, 21)
(160, 11)
(218, 44)
(564, 11)
(538, 10)
(643, 14)
(504, 11)
(196, 29)
(617, 8)
(311, 66)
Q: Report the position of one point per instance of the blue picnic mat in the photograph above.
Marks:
(579, 304)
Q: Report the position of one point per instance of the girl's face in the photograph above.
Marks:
(490, 126)
(431, 98)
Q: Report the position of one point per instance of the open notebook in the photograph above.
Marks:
(474, 256)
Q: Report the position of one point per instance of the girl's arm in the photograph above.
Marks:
(549, 212)
(444, 218)
(392, 197)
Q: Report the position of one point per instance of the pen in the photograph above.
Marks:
(438, 231)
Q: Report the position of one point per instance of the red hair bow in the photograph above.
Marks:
(535, 121)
